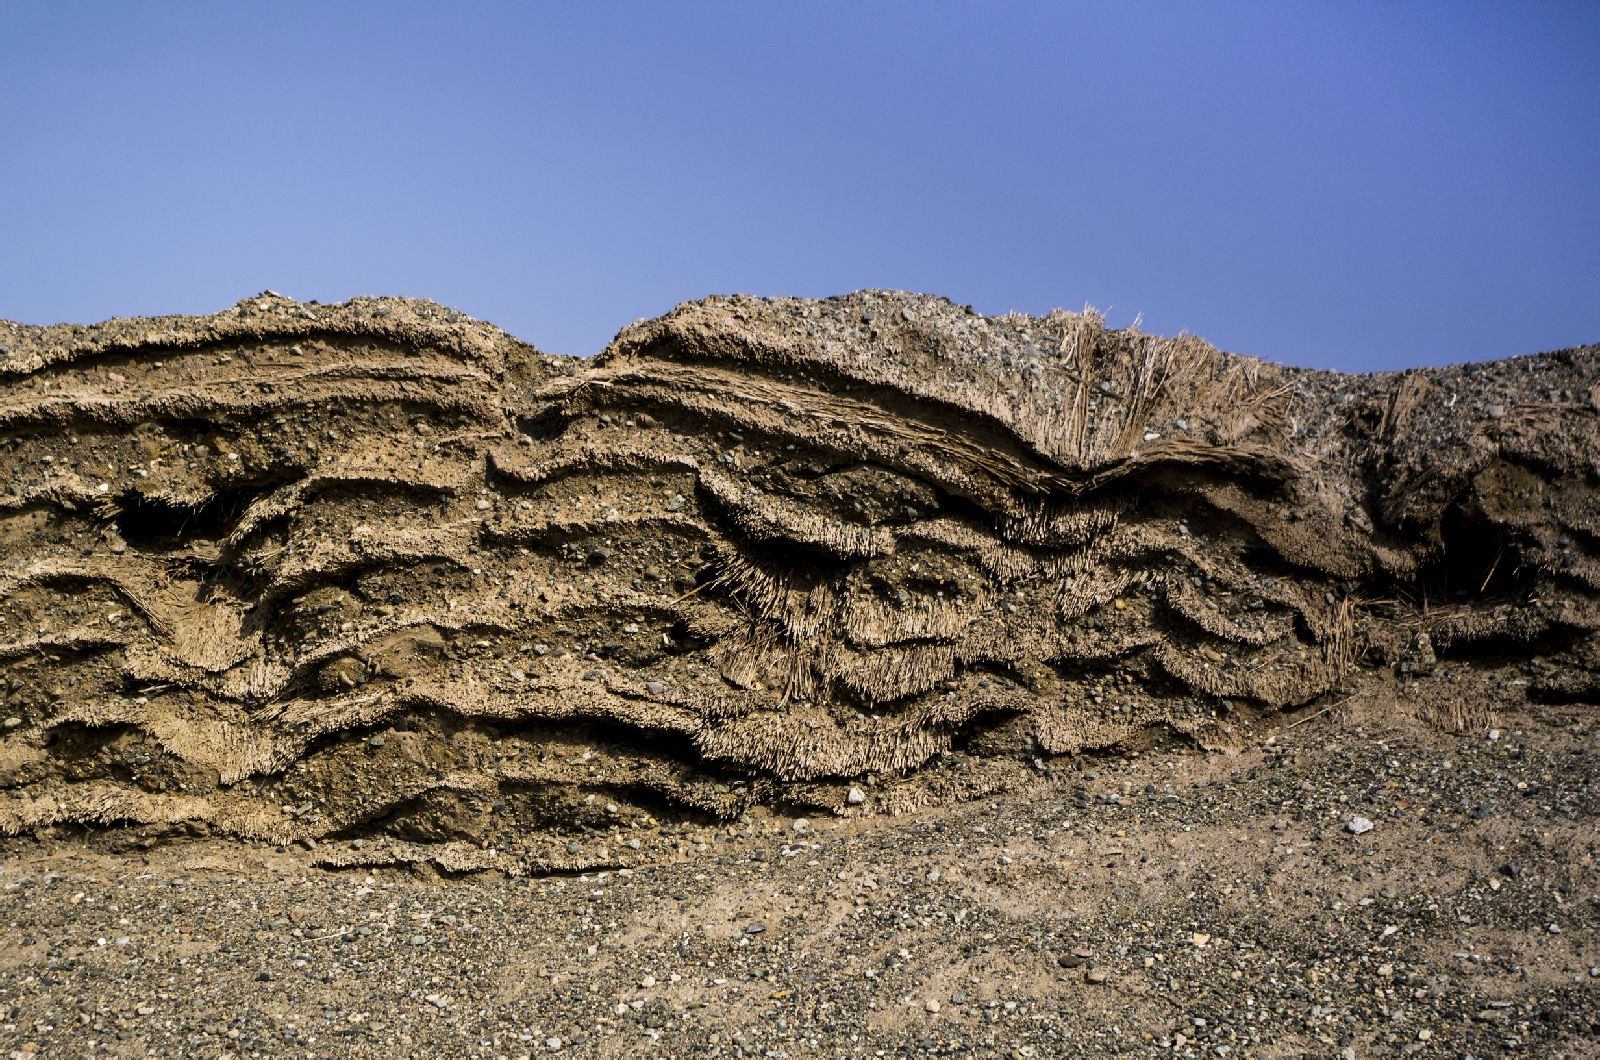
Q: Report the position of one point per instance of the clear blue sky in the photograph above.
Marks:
(1351, 185)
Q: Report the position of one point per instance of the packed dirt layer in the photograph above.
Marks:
(381, 580)
(1175, 904)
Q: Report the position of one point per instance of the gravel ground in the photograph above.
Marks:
(1173, 903)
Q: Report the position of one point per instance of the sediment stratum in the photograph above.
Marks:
(381, 579)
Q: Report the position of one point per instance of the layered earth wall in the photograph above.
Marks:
(381, 578)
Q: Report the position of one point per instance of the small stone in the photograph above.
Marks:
(754, 929)
(931, 1005)
(419, 940)
(1096, 975)
(802, 825)
(855, 797)
(483, 504)
(1071, 960)
(13, 722)
(1358, 826)
(553, 1044)
(1496, 411)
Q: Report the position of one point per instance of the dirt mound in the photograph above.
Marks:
(380, 577)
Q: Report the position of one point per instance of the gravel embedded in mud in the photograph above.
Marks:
(1216, 901)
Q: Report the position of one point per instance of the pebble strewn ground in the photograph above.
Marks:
(1174, 904)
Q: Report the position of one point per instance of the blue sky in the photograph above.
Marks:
(1347, 185)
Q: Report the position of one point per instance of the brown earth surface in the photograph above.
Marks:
(795, 677)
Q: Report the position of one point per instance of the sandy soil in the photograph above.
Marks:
(1178, 903)
(856, 675)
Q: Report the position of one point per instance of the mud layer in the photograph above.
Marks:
(379, 578)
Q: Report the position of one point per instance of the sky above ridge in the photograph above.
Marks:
(1352, 185)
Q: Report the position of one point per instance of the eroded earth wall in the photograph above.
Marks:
(380, 577)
